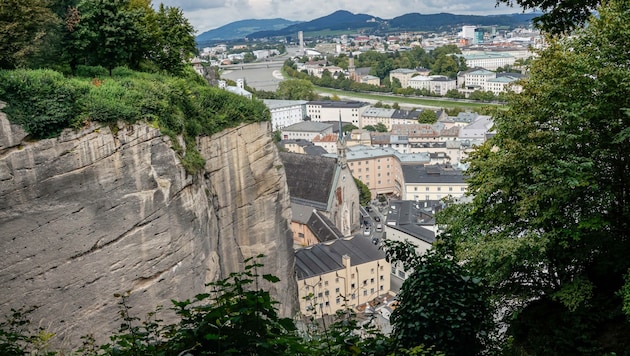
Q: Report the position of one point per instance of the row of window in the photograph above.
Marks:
(439, 189)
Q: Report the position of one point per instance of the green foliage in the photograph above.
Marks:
(549, 219)
(44, 103)
(296, 89)
(440, 303)
(558, 16)
(380, 127)
(348, 128)
(364, 192)
(369, 128)
(23, 26)
(427, 117)
(17, 338)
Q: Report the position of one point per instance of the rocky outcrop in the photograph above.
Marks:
(97, 212)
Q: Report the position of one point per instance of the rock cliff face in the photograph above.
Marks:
(95, 212)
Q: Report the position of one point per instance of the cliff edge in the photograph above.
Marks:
(97, 212)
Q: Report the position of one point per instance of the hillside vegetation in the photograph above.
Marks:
(45, 102)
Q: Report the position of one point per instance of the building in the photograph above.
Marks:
(403, 75)
(437, 84)
(324, 184)
(350, 111)
(340, 274)
(239, 89)
(433, 182)
(285, 112)
(411, 221)
(488, 60)
(306, 130)
(310, 226)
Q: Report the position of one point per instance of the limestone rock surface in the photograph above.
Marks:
(97, 212)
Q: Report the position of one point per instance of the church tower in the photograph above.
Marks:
(341, 146)
(351, 68)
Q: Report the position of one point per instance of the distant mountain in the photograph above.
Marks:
(345, 20)
(338, 20)
(443, 21)
(240, 29)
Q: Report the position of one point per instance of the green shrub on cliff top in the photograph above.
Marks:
(45, 102)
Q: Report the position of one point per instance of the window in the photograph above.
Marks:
(301, 235)
(338, 300)
(372, 270)
(365, 282)
(325, 283)
(439, 189)
(381, 287)
(327, 304)
(354, 296)
(352, 276)
(364, 293)
(426, 189)
(382, 268)
(337, 289)
(382, 278)
(415, 189)
(371, 290)
(372, 280)
(359, 170)
(450, 189)
(321, 305)
(326, 293)
(319, 295)
(352, 286)
(337, 280)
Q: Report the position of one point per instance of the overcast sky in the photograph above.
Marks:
(206, 15)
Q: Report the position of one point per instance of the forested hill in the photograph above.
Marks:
(344, 20)
(241, 29)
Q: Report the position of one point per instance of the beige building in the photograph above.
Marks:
(378, 168)
(403, 75)
(340, 274)
(432, 182)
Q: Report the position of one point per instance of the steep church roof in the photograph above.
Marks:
(309, 178)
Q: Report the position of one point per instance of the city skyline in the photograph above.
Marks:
(207, 15)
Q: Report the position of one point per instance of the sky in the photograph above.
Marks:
(206, 15)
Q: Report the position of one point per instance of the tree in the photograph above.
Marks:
(558, 16)
(348, 128)
(23, 26)
(369, 128)
(440, 303)
(549, 221)
(380, 127)
(107, 33)
(427, 117)
(173, 41)
(296, 89)
(364, 192)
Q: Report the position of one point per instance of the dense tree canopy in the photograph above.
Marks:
(559, 15)
(549, 221)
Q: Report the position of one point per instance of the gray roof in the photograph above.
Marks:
(432, 174)
(408, 216)
(276, 104)
(323, 229)
(338, 104)
(308, 126)
(301, 213)
(406, 114)
(324, 258)
(309, 178)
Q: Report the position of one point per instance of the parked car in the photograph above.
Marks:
(379, 227)
(377, 219)
(366, 231)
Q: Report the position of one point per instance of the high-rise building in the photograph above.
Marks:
(468, 32)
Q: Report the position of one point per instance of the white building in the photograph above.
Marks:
(286, 112)
(468, 32)
(437, 84)
(347, 111)
(238, 89)
(489, 60)
(403, 75)
(306, 130)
